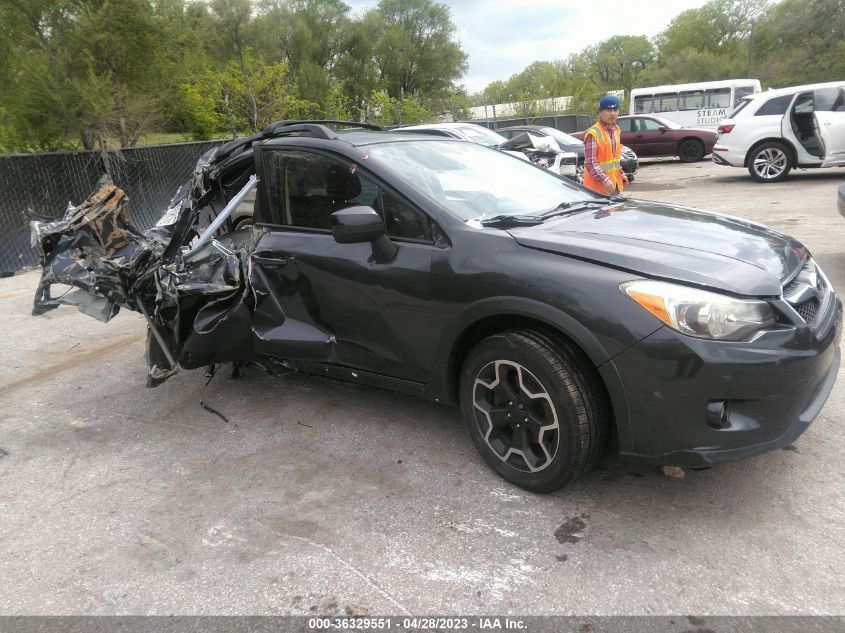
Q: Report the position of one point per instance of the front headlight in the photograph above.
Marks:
(700, 313)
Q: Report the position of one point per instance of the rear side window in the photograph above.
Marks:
(624, 125)
(775, 105)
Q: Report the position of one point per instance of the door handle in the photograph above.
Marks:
(269, 261)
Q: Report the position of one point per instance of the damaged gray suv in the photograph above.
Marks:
(555, 318)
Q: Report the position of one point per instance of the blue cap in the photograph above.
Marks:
(609, 101)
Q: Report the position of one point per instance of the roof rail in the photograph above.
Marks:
(317, 129)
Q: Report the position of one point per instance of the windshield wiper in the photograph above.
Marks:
(511, 220)
(571, 207)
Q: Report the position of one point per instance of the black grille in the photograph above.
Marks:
(807, 309)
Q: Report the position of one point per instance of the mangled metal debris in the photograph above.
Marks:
(196, 301)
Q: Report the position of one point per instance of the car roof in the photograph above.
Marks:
(774, 92)
(367, 137)
(448, 125)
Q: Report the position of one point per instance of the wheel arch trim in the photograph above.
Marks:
(785, 142)
(444, 385)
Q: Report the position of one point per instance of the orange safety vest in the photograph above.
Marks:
(609, 162)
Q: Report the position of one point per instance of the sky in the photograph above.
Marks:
(502, 37)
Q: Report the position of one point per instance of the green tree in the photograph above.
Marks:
(256, 94)
(617, 63)
(415, 50)
(84, 68)
(355, 69)
(800, 41)
(232, 24)
(383, 109)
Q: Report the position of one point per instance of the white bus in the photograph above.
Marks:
(701, 104)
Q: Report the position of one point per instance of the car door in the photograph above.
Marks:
(318, 300)
(643, 139)
(627, 130)
(829, 112)
(661, 142)
(799, 126)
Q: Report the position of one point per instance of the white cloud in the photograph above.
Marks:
(502, 38)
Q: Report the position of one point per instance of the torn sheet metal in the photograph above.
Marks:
(198, 304)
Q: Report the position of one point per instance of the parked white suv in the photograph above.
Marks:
(772, 132)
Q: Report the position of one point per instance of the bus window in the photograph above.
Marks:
(742, 91)
(691, 100)
(666, 102)
(717, 98)
(643, 104)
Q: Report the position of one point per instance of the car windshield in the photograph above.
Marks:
(561, 137)
(475, 182)
(482, 135)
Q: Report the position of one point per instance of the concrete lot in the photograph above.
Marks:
(319, 497)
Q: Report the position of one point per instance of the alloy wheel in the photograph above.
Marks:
(516, 416)
(770, 163)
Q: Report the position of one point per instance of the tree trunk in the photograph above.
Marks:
(87, 141)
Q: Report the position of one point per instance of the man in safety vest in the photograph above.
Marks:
(603, 150)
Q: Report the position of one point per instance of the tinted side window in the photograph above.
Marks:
(624, 125)
(401, 219)
(775, 105)
(649, 125)
(304, 188)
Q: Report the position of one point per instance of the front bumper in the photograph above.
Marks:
(694, 402)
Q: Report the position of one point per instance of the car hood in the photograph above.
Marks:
(674, 243)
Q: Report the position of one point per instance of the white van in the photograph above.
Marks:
(771, 132)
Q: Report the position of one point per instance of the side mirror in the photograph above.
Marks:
(663, 128)
(355, 225)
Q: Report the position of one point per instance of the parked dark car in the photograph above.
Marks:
(556, 319)
(650, 135)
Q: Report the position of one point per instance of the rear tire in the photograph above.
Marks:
(690, 150)
(769, 162)
(534, 408)
(242, 223)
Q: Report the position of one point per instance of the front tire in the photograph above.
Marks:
(690, 150)
(770, 162)
(534, 408)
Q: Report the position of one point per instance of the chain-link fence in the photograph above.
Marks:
(40, 186)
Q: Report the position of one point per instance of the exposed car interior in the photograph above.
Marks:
(804, 124)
